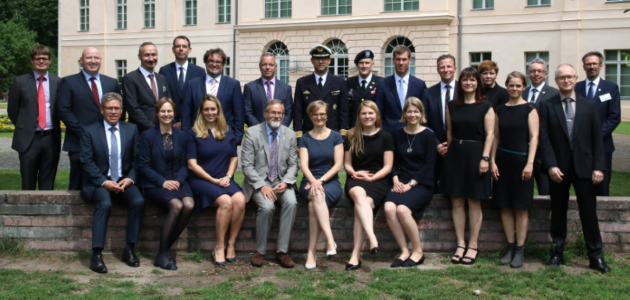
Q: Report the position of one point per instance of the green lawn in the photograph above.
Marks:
(623, 128)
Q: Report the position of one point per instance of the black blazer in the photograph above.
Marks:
(23, 110)
(255, 99)
(356, 94)
(432, 101)
(77, 107)
(151, 162)
(545, 94)
(334, 93)
(177, 93)
(95, 155)
(388, 103)
(588, 145)
(609, 110)
(138, 100)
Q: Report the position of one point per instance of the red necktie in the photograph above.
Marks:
(153, 87)
(95, 92)
(41, 102)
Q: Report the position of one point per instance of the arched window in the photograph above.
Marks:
(338, 59)
(279, 49)
(389, 55)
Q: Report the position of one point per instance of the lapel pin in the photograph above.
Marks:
(334, 106)
(599, 90)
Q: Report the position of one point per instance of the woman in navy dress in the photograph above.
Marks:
(321, 157)
(212, 160)
(163, 170)
(414, 160)
(368, 159)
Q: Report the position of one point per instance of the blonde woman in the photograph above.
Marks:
(212, 160)
(369, 155)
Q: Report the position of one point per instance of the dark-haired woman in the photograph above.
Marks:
(465, 176)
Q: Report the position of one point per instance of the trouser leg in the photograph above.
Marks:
(288, 211)
(135, 204)
(76, 172)
(587, 203)
(604, 186)
(103, 208)
(49, 160)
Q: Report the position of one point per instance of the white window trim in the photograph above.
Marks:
(279, 9)
(402, 6)
(484, 5)
(193, 15)
(537, 5)
(151, 4)
(321, 6)
(619, 62)
(226, 13)
(281, 57)
(84, 26)
(483, 54)
(122, 5)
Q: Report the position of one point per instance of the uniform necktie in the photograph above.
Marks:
(401, 92)
(153, 87)
(533, 99)
(570, 115)
(321, 83)
(181, 77)
(273, 172)
(591, 91)
(95, 92)
(41, 103)
(363, 84)
(214, 87)
(113, 155)
(269, 83)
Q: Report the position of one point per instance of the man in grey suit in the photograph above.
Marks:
(538, 92)
(37, 135)
(257, 93)
(270, 166)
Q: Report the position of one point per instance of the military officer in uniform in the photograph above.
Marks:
(321, 86)
(363, 86)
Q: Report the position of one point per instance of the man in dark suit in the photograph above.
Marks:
(606, 95)
(108, 150)
(226, 89)
(393, 91)
(363, 86)
(142, 88)
(539, 92)
(573, 154)
(178, 73)
(258, 92)
(78, 105)
(37, 135)
(324, 86)
(434, 100)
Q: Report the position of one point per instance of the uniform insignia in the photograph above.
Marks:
(335, 93)
(306, 92)
(320, 49)
(334, 106)
(362, 100)
(373, 92)
(367, 54)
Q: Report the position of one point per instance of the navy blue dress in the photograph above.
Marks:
(321, 158)
(213, 156)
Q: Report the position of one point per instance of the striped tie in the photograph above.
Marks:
(214, 88)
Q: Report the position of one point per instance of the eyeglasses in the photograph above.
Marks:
(563, 78)
(275, 113)
(40, 58)
(112, 108)
(319, 115)
(218, 62)
(537, 71)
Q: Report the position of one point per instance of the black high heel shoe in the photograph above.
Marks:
(410, 263)
(350, 267)
(472, 259)
(374, 250)
(458, 259)
(218, 263)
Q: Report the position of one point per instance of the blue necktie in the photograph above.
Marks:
(181, 77)
(401, 92)
(113, 157)
(591, 91)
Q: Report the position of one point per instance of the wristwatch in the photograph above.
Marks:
(228, 176)
(411, 184)
(322, 179)
(486, 158)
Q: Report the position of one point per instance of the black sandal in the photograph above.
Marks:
(472, 260)
(459, 258)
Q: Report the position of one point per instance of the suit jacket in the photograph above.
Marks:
(23, 110)
(255, 99)
(177, 93)
(138, 100)
(77, 107)
(356, 95)
(609, 110)
(334, 93)
(231, 102)
(545, 94)
(255, 158)
(388, 103)
(151, 162)
(588, 145)
(432, 101)
(95, 155)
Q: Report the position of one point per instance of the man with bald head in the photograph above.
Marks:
(78, 105)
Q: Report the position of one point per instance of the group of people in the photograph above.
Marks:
(398, 141)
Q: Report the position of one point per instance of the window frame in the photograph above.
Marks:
(151, 11)
(281, 52)
(402, 5)
(475, 64)
(226, 67)
(389, 56)
(527, 64)
(619, 62)
(192, 60)
(121, 70)
(268, 14)
(224, 10)
(192, 19)
(539, 3)
(348, 7)
(339, 60)
(484, 5)
(121, 22)
(84, 15)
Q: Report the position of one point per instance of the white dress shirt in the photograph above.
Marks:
(531, 91)
(588, 82)
(185, 66)
(209, 83)
(367, 80)
(443, 94)
(323, 78)
(146, 74)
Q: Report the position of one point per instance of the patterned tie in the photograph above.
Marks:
(570, 115)
(591, 91)
(321, 83)
(363, 84)
(273, 173)
(153, 87)
(95, 92)
(181, 77)
(113, 157)
(533, 99)
(41, 103)
(269, 84)
(447, 98)
(401, 92)
(214, 87)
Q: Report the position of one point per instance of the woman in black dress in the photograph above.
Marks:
(465, 176)
(512, 164)
(414, 159)
(369, 155)
(163, 170)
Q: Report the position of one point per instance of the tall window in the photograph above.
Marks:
(277, 9)
(226, 67)
(389, 55)
(477, 57)
(224, 11)
(538, 2)
(281, 52)
(336, 7)
(121, 14)
(483, 4)
(149, 13)
(618, 71)
(401, 5)
(529, 56)
(338, 58)
(121, 71)
(191, 12)
(84, 15)
(192, 60)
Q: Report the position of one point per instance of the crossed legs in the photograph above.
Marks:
(363, 222)
(318, 221)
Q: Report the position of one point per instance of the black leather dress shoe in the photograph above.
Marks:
(97, 265)
(599, 264)
(555, 260)
(350, 267)
(129, 257)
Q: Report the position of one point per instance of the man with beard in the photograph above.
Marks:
(179, 73)
(363, 86)
(606, 95)
(321, 86)
(142, 88)
(270, 166)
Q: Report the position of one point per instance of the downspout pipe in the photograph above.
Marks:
(459, 34)
(234, 39)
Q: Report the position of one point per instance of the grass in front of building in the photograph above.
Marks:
(623, 128)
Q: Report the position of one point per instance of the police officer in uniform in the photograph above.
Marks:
(321, 86)
(363, 86)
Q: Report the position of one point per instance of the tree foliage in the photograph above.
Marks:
(15, 50)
